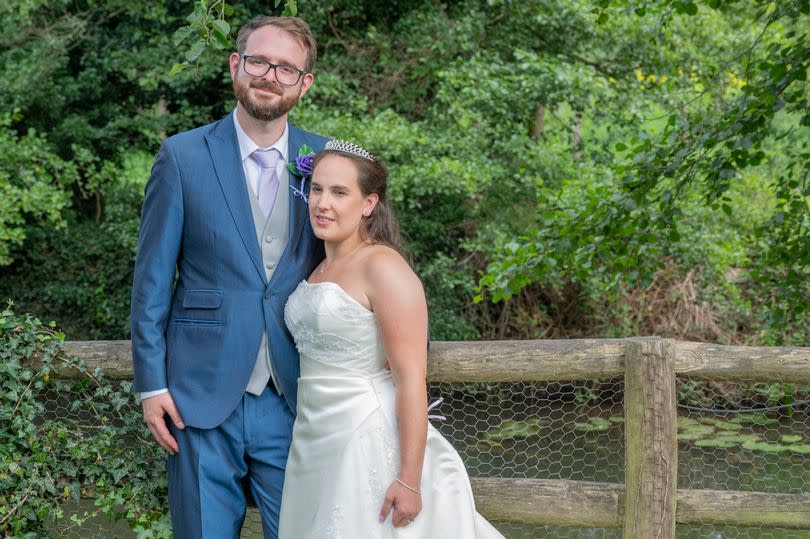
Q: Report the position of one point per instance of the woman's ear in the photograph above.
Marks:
(371, 203)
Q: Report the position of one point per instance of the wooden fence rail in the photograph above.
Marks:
(649, 504)
(539, 360)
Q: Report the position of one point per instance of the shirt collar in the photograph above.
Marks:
(247, 146)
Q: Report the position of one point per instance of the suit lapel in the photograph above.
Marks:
(224, 148)
(299, 210)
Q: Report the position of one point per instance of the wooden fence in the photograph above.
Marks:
(648, 504)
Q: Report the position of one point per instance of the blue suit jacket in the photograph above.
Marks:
(200, 298)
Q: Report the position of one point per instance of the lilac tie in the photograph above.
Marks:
(268, 178)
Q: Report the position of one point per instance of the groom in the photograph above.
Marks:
(223, 242)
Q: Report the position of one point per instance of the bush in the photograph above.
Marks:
(67, 440)
(81, 274)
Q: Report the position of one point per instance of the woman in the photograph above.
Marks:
(364, 462)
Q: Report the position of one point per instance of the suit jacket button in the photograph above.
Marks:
(268, 295)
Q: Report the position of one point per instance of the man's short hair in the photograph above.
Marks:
(294, 25)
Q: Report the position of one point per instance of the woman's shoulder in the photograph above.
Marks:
(391, 284)
(383, 257)
(384, 264)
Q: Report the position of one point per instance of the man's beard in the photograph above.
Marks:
(265, 112)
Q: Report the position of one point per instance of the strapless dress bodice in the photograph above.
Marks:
(332, 331)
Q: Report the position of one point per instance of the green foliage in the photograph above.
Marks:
(207, 26)
(33, 185)
(82, 273)
(567, 163)
(45, 461)
(710, 139)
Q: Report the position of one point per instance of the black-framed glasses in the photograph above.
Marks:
(285, 74)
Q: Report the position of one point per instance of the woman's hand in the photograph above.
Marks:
(406, 504)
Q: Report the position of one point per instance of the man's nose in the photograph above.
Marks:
(270, 76)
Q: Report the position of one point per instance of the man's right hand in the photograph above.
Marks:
(155, 410)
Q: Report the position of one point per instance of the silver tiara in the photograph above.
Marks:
(348, 147)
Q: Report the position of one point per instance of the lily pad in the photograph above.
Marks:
(802, 449)
(766, 447)
(696, 432)
(738, 438)
(720, 424)
(593, 424)
(616, 419)
(684, 422)
(512, 430)
(790, 438)
(715, 442)
(753, 419)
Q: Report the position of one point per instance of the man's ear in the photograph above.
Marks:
(233, 64)
(309, 78)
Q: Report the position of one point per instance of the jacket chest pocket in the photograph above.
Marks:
(202, 299)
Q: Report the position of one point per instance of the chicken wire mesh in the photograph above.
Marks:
(561, 430)
(569, 430)
(739, 436)
(743, 435)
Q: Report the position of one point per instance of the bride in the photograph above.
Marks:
(364, 461)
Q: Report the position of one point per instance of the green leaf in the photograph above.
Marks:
(222, 27)
(177, 68)
(195, 51)
(290, 8)
(726, 172)
(220, 41)
(181, 34)
(673, 235)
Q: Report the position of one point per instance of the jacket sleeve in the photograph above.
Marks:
(159, 244)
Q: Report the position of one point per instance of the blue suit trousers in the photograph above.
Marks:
(206, 496)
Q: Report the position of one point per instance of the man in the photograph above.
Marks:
(224, 240)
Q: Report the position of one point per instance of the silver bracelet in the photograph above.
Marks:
(407, 487)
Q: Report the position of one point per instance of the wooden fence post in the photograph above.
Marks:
(651, 443)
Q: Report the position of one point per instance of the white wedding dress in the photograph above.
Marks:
(345, 450)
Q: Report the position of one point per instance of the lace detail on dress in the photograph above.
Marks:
(317, 316)
(327, 347)
(381, 470)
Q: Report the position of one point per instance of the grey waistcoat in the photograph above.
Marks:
(273, 235)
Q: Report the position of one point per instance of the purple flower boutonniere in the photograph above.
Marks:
(304, 164)
(302, 167)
